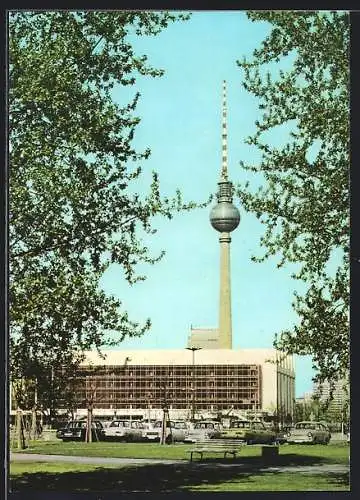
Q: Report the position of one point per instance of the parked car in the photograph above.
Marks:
(149, 432)
(203, 430)
(135, 433)
(309, 432)
(76, 431)
(176, 430)
(148, 424)
(124, 430)
(250, 431)
(282, 436)
(106, 423)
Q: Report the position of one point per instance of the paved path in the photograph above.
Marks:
(35, 457)
(314, 469)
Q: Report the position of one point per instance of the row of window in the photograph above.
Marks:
(182, 406)
(139, 391)
(252, 398)
(139, 385)
(198, 372)
(171, 397)
(174, 370)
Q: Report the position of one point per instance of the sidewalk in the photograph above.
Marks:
(35, 457)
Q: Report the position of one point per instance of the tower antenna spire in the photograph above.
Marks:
(224, 162)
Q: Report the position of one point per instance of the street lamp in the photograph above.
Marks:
(193, 349)
(125, 366)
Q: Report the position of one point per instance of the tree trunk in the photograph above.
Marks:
(33, 428)
(88, 433)
(20, 430)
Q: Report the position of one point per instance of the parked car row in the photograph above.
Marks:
(125, 430)
(249, 431)
(255, 432)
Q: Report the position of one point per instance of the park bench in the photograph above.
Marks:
(224, 446)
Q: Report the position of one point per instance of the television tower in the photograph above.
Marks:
(224, 217)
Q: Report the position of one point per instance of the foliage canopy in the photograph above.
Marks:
(304, 203)
(74, 205)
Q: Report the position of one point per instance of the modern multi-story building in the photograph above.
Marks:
(338, 405)
(140, 382)
(306, 398)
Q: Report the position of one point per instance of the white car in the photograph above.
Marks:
(150, 433)
(310, 433)
(203, 430)
(124, 430)
(176, 430)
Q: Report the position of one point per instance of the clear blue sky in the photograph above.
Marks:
(181, 123)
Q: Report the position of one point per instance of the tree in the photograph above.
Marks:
(304, 202)
(312, 409)
(74, 205)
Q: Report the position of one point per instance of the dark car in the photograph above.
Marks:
(282, 436)
(76, 431)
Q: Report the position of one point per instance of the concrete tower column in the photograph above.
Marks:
(225, 326)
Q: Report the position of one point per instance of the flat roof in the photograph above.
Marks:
(181, 357)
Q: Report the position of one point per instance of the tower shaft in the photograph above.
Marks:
(225, 323)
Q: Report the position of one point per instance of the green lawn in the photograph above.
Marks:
(280, 482)
(290, 453)
(164, 478)
(19, 468)
(182, 476)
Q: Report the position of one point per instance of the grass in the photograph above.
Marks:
(280, 482)
(20, 468)
(338, 453)
(165, 478)
(212, 474)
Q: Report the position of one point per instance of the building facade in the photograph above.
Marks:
(204, 338)
(141, 383)
(338, 405)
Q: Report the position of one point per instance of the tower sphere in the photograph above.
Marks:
(224, 217)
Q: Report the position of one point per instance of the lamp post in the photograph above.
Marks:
(193, 349)
(165, 438)
(149, 396)
(126, 383)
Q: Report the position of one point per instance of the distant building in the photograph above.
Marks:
(306, 398)
(204, 338)
(304, 406)
(339, 403)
